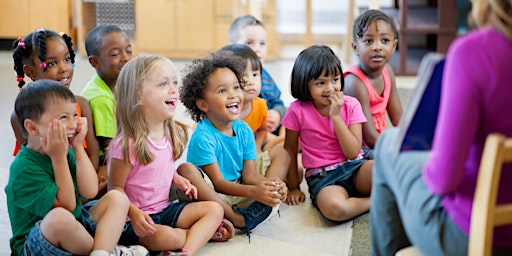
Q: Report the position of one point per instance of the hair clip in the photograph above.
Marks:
(74, 65)
(61, 34)
(21, 43)
(42, 64)
(39, 30)
(19, 79)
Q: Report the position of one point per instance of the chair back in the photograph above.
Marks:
(486, 213)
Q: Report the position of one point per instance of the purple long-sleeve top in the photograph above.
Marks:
(476, 100)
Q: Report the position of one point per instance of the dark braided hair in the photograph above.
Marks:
(24, 49)
(364, 20)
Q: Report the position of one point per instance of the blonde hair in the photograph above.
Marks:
(497, 13)
(130, 117)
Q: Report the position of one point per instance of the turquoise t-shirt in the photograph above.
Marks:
(31, 191)
(208, 145)
(103, 107)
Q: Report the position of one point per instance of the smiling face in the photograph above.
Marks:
(223, 97)
(159, 94)
(377, 45)
(252, 86)
(322, 87)
(115, 50)
(255, 37)
(58, 63)
(57, 109)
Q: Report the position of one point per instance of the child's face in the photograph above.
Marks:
(377, 45)
(252, 87)
(255, 37)
(159, 94)
(223, 97)
(322, 87)
(115, 50)
(58, 63)
(61, 110)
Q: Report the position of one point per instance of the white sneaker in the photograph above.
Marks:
(133, 250)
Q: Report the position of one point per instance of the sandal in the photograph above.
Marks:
(218, 236)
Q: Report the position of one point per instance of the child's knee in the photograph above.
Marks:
(116, 198)
(58, 221)
(186, 169)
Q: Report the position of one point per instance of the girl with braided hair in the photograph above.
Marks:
(45, 54)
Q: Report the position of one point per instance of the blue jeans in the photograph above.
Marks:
(403, 210)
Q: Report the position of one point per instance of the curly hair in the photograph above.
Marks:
(364, 20)
(197, 74)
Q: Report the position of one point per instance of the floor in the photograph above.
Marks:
(299, 230)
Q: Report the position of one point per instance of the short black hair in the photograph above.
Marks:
(33, 99)
(93, 38)
(366, 18)
(196, 77)
(312, 63)
(246, 53)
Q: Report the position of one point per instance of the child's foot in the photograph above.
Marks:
(133, 250)
(255, 214)
(182, 252)
(225, 231)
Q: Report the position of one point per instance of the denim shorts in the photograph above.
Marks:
(37, 245)
(168, 217)
(344, 175)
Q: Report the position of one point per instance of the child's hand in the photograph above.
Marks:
(184, 184)
(267, 193)
(295, 196)
(142, 223)
(56, 141)
(282, 189)
(273, 119)
(81, 131)
(336, 102)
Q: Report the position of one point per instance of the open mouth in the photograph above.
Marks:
(233, 107)
(171, 102)
(70, 138)
(64, 80)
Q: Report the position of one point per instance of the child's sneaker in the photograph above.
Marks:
(254, 215)
(133, 250)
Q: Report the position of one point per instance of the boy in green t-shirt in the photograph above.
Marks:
(49, 177)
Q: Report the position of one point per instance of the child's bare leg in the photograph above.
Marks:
(335, 204)
(279, 163)
(165, 238)
(364, 178)
(110, 216)
(206, 193)
(202, 220)
(62, 230)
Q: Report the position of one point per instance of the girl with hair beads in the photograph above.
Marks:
(141, 163)
(327, 125)
(45, 54)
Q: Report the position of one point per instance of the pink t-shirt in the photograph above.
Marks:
(317, 137)
(147, 186)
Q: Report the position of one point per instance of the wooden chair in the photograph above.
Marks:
(486, 214)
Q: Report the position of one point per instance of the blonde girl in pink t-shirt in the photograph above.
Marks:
(141, 164)
(327, 126)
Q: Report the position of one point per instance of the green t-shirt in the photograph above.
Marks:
(31, 191)
(103, 107)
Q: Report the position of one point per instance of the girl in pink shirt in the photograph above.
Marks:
(141, 164)
(327, 126)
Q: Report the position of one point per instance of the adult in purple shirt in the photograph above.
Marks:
(425, 197)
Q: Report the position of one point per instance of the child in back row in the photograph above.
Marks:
(44, 54)
(49, 176)
(223, 146)
(251, 32)
(141, 163)
(372, 81)
(327, 125)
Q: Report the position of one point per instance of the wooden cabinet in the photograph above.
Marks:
(186, 29)
(20, 17)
